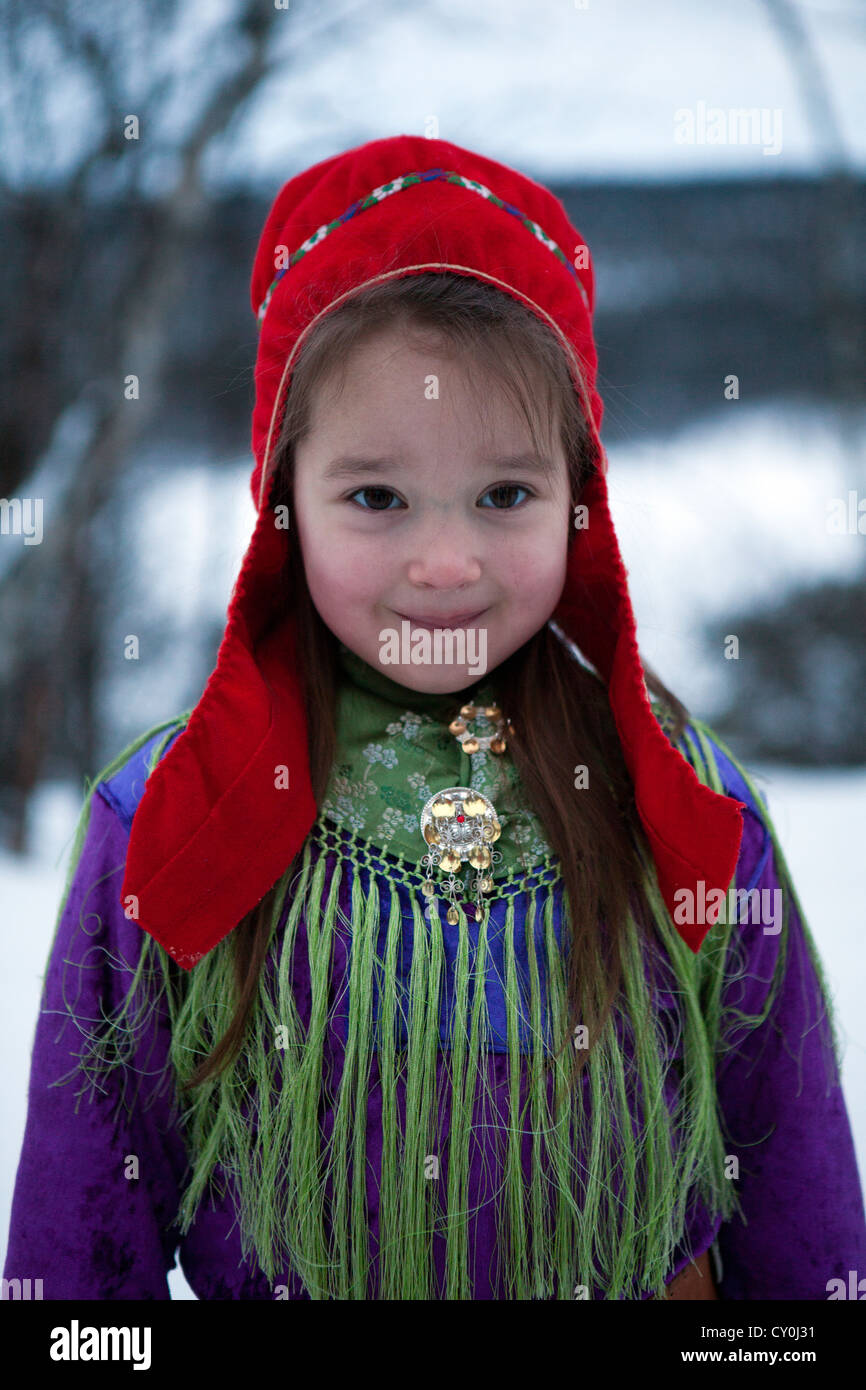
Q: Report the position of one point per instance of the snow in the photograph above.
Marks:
(738, 505)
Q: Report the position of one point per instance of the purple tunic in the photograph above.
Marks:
(91, 1232)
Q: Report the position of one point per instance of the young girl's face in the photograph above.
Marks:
(410, 505)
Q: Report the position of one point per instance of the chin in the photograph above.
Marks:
(434, 676)
(434, 680)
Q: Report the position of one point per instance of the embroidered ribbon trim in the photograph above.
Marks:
(396, 186)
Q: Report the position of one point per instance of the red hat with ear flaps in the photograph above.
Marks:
(216, 825)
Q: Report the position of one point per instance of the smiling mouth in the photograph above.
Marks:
(458, 620)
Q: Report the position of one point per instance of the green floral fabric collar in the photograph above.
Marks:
(394, 750)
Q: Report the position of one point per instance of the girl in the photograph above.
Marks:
(428, 957)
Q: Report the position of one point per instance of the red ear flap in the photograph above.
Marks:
(694, 833)
(213, 832)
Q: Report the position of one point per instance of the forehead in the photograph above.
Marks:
(388, 380)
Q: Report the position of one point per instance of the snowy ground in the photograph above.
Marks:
(716, 516)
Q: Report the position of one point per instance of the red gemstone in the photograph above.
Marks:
(461, 818)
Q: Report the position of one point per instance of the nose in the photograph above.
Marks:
(444, 557)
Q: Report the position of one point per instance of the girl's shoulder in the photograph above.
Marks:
(720, 769)
(711, 758)
(121, 783)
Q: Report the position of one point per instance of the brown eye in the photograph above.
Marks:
(378, 493)
(503, 492)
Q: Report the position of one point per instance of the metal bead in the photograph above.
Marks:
(486, 885)
(498, 745)
(470, 745)
(468, 711)
(457, 726)
(493, 712)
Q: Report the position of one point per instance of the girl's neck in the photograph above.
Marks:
(437, 705)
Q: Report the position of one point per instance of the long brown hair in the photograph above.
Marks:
(595, 834)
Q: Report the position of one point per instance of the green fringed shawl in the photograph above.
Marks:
(255, 1129)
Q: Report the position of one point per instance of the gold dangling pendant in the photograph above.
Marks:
(460, 824)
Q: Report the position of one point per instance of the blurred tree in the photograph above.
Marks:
(840, 317)
(799, 679)
(797, 697)
(73, 74)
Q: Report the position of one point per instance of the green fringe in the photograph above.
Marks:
(113, 1043)
(274, 1167)
(721, 943)
(109, 770)
(254, 1130)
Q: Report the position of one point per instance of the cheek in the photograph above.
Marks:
(342, 575)
(339, 571)
(533, 565)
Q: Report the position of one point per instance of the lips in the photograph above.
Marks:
(447, 620)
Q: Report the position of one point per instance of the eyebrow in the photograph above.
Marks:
(353, 465)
